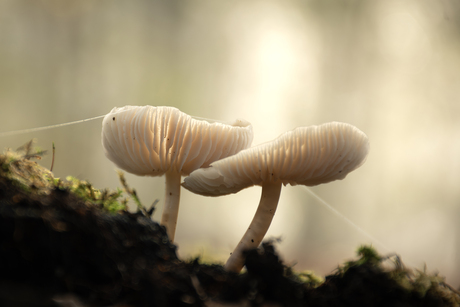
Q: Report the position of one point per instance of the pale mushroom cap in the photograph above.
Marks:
(306, 155)
(150, 141)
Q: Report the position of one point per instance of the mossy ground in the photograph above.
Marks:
(65, 236)
(21, 169)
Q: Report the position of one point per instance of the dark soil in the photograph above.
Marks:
(56, 243)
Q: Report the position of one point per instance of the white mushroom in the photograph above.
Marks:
(156, 141)
(307, 156)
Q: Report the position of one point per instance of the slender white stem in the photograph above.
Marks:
(258, 227)
(171, 206)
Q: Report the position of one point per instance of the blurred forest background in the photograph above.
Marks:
(391, 68)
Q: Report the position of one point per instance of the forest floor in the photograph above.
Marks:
(65, 238)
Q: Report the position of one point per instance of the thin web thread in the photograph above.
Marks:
(23, 131)
(343, 217)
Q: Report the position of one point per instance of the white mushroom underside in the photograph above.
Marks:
(152, 140)
(306, 155)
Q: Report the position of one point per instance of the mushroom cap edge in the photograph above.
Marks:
(304, 156)
(132, 149)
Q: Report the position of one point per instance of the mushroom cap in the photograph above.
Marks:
(149, 141)
(306, 155)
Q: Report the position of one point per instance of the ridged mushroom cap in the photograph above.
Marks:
(306, 155)
(149, 141)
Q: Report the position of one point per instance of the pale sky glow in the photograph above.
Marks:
(403, 39)
(271, 63)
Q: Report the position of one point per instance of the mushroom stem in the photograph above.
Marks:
(258, 227)
(171, 206)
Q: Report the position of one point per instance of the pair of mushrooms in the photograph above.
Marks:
(162, 140)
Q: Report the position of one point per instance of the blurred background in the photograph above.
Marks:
(391, 68)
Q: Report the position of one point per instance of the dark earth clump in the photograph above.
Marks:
(54, 242)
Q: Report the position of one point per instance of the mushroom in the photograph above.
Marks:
(307, 156)
(156, 141)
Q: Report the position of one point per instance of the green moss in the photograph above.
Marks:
(110, 201)
(411, 280)
(18, 167)
(368, 254)
(130, 191)
(26, 174)
(307, 278)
